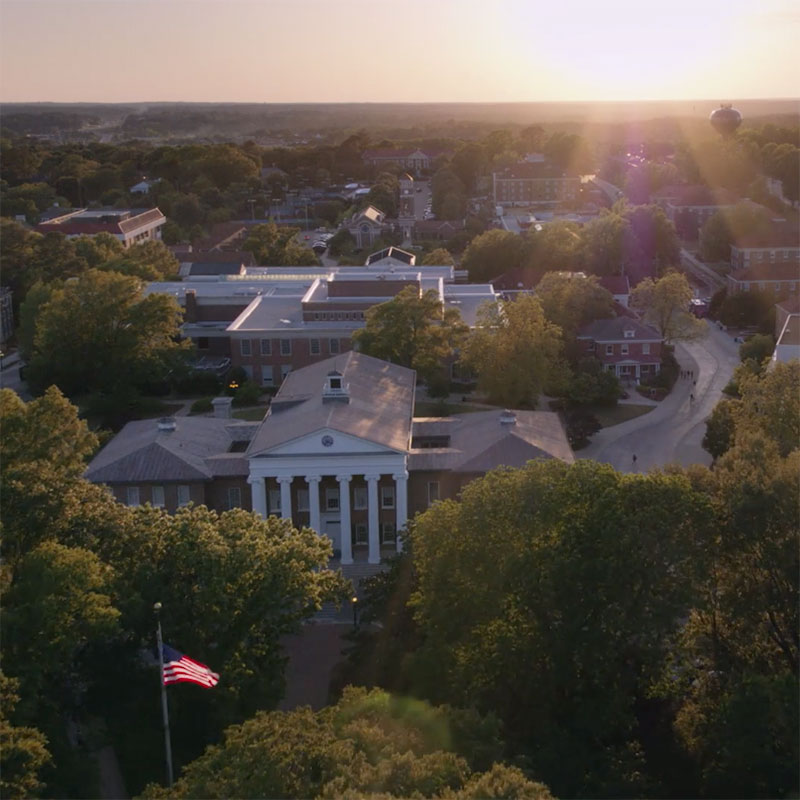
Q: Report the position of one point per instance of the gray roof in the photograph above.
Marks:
(602, 330)
(480, 442)
(392, 252)
(235, 267)
(141, 452)
(381, 402)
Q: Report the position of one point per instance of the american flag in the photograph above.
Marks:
(179, 668)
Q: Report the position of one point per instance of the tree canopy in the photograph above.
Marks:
(413, 330)
(493, 253)
(665, 305)
(370, 744)
(514, 351)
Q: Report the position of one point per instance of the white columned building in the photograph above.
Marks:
(331, 450)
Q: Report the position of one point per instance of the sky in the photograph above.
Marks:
(410, 51)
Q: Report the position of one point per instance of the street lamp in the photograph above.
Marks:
(354, 601)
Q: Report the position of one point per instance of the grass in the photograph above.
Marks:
(608, 417)
(251, 414)
(434, 409)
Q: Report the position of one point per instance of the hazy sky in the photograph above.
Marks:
(402, 51)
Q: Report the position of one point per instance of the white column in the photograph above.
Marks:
(401, 503)
(374, 556)
(258, 490)
(345, 527)
(286, 496)
(313, 501)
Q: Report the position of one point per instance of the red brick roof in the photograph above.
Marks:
(779, 234)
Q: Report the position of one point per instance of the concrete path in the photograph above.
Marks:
(673, 432)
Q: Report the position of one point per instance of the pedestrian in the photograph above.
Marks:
(691, 398)
(694, 383)
(634, 460)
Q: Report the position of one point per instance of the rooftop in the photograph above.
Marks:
(616, 328)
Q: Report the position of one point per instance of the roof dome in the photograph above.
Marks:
(725, 120)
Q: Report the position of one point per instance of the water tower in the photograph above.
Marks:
(725, 120)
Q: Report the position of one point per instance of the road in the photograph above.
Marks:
(703, 273)
(421, 198)
(673, 432)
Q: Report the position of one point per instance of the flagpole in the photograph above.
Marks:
(164, 708)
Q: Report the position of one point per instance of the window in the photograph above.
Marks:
(331, 499)
(334, 345)
(387, 496)
(336, 383)
(302, 499)
(266, 347)
(388, 532)
(624, 349)
(285, 370)
(286, 347)
(630, 333)
(157, 496)
(274, 501)
(202, 343)
(646, 349)
(609, 349)
(313, 347)
(133, 495)
(316, 316)
(234, 497)
(244, 347)
(433, 491)
(184, 497)
(359, 498)
(361, 534)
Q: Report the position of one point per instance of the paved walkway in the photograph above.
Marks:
(673, 432)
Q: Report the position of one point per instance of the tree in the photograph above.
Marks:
(102, 334)
(448, 197)
(557, 247)
(757, 348)
(665, 305)
(653, 241)
(604, 244)
(413, 330)
(23, 750)
(438, 257)
(493, 253)
(275, 246)
(729, 225)
(514, 333)
(570, 152)
(572, 301)
(719, 433)
(370, 744)
(577, 576)
(591, 385)
(61, 593)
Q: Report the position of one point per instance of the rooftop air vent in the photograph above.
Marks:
(508, 418)
(167, 424)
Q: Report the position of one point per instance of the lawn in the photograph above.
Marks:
(251, 414)
(608, 417)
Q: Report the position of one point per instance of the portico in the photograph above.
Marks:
(361, 512)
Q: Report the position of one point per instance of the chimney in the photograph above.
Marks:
(222, 407)
(508, 418)
(167, 424)
(190, 306)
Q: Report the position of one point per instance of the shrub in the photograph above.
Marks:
(199, 381)
(580, 426)
(248, 394)
(202, 406)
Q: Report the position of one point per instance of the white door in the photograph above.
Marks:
(331, 528)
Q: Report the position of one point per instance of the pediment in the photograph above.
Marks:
(325, 442)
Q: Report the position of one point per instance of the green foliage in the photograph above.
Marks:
(758, 348)
(247, 394)
(412, 330)
(275, 246)
(748, 309)
(199, 381)
(370, 744)
(437, 257)
(591, 385)
(102, 334)
(493, 253)
(23, 750)
(604, 244)
(202, 406)
(665, 305)
(448, 195)
(577, 577)
(719, 433)
(727, 226)
(557, 247)
(572, 301)
(514, 333)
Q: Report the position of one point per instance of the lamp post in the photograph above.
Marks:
(354, 601)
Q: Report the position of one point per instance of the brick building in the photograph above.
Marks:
(623, 346)
(537, 183)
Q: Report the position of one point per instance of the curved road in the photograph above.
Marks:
(674, 430)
